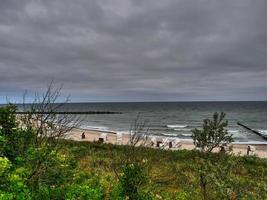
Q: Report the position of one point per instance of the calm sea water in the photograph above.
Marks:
(175, 118)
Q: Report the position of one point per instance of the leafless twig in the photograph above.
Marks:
(139, 132)
(43, 118)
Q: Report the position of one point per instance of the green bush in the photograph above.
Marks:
(85, 187)
(132, 181)
(12, 182)
(4, 165)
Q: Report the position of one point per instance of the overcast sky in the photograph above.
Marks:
(139, 50)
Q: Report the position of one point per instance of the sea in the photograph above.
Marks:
(174, 119)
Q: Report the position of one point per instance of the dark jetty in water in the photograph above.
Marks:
(253, 131)
(69, 112)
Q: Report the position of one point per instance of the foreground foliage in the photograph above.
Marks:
(84, 170)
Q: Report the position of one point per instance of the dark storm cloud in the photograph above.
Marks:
(124, 50)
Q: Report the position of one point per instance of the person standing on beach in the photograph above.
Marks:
(83, 135)
(248, 150)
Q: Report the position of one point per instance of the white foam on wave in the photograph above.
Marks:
(187, 134)
(182, 129)
(233, 131)
(175, 135)
(263, 132)
(176, 126)
(170, 134)
(95, 128)
(236, 133)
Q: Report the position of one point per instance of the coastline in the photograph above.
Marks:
(239, 148)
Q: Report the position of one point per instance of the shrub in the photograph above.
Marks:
(213, 134)
(85, 187)
(132, 181)
(4, 165)
(12, 183)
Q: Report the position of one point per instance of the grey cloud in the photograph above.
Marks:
(131, 50)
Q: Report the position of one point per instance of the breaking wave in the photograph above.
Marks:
(176, 126)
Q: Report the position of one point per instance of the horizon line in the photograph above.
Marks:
(191, 101)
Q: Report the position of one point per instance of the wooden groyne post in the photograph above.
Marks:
(253, 131)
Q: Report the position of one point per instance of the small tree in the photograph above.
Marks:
(48, 127)
(31, 134)
(213, 134)
(41, 115)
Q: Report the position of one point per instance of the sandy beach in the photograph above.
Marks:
(110, 137)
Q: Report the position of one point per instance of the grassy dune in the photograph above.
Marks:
(172, 174)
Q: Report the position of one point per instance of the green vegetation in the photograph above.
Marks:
(31, 168)
(213, 134)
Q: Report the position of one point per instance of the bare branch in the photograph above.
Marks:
(41, 116)
(139, 132)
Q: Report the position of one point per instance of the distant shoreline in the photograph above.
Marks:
(252, 142)
(239, 148)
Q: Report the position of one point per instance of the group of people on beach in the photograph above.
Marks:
(154, 142)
